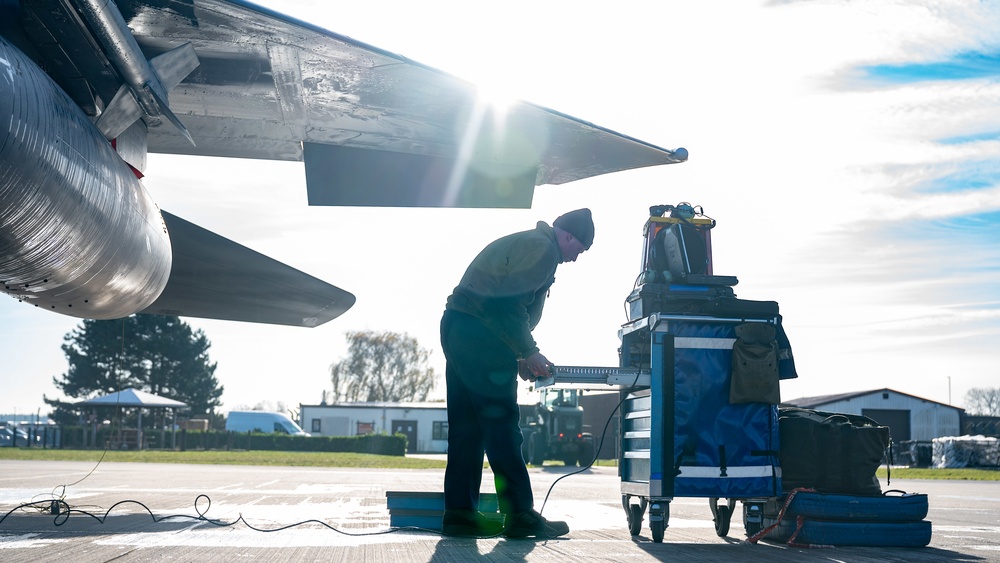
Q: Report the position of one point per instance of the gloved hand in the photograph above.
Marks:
(533, 367)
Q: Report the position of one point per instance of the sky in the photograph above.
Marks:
(848, 151)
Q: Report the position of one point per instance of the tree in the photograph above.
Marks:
(983, 401)
(153, 353)
(380, 367)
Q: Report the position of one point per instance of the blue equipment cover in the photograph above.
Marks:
(892, 506)
(865, 534)
(720, 449)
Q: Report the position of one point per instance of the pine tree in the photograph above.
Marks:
(153, 353)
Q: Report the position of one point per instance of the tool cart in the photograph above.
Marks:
(679, 435)
(698, 380)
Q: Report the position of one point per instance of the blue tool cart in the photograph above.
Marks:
(680, 434)
(681, 437)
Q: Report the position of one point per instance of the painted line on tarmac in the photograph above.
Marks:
(25, 541)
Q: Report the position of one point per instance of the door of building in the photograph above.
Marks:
(409, 429)
(898, 422)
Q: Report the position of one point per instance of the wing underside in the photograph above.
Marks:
(215, 278)
(372, 128)
(268, 86)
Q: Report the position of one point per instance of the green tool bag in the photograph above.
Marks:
(755, 365)
(831, 452)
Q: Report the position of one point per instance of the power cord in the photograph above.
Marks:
(62, 512)
(119, 424)
(600, 446)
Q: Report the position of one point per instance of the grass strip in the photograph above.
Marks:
(344, 459)
(218, 457)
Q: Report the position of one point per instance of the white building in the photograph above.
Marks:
(908, 417)
(424, 424)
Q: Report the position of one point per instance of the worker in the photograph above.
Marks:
(487, 342)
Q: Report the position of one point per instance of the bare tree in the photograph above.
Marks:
(382, 366)
(265, 405)
(983, 401)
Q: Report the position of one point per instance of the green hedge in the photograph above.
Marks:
(82, 437)
(381, 444)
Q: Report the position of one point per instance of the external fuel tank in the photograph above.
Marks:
(79, 234)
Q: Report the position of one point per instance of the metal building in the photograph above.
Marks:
(424, 424)
(908, 417)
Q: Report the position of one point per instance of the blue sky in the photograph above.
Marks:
(847, 150)
(958, 66)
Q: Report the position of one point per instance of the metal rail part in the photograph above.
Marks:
(597, 376)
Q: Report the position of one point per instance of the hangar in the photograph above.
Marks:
(909, 418)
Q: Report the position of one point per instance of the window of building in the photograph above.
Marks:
(316, 425)
(440, 430)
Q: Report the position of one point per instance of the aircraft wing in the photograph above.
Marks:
(213, 277)
(372, 127)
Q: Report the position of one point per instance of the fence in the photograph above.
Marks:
(380, 444)
(87, 437)
(30, 436)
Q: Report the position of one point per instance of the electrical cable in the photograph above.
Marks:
(635, 285)
(597, 451)
(62, 511)
(59, 499)
(118, 418)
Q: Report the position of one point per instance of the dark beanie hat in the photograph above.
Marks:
(578, 223)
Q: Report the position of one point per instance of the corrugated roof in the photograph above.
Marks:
(384, 405)
(818, 401)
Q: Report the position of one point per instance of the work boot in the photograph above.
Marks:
(531, 524)
(470, 524)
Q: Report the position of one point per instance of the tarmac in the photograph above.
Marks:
(174, 512)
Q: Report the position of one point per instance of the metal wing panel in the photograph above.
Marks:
(213, 277)
(268, 82)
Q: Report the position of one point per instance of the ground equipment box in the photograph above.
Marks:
(424, 510)
(680, 436)
(651, 298)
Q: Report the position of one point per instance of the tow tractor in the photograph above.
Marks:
(553, 429)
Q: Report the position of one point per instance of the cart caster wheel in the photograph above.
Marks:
(753, 521)
(659, 513)
(723, 516)
(657, 528)
(634, 519)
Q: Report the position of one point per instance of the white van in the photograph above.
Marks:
(262, 421)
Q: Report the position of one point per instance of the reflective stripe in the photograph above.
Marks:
(704, 343)
(738, 472)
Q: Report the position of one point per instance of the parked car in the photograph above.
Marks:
(7, 436)
(263, 421)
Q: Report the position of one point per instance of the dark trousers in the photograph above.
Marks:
(481, 374)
